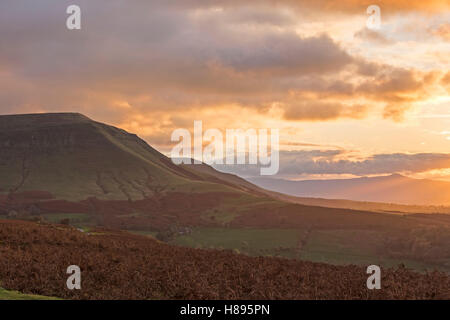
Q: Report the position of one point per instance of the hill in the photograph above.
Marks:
(73, 158)
(388, 189)
(117, 265)
(68, 163)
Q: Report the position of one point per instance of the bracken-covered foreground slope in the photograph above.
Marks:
(117, 265)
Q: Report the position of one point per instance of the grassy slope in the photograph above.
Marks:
(15, 295)
(99, 161)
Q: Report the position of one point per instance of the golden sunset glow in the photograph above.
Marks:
(225, 151)
(312, 69)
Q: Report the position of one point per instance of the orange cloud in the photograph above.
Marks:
(161, 60)
(310, 110)
(343, 6)
(443, 31)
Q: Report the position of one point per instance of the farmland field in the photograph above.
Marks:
(74, 218)
(333, 246)
(266, 242)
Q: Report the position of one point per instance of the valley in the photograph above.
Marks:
(69, 176)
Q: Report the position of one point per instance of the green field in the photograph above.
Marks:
(363, 247)
(14, 295)
(267, 242)
(225, 212)
(339, 247)
(144, 233)
(75, 218)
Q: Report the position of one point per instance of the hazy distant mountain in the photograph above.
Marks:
(392, 189)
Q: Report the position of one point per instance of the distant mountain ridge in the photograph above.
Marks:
(388, 189)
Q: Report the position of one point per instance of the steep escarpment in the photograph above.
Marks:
(66, 163)
(74, 158)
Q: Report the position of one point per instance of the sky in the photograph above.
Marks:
(348, 100)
